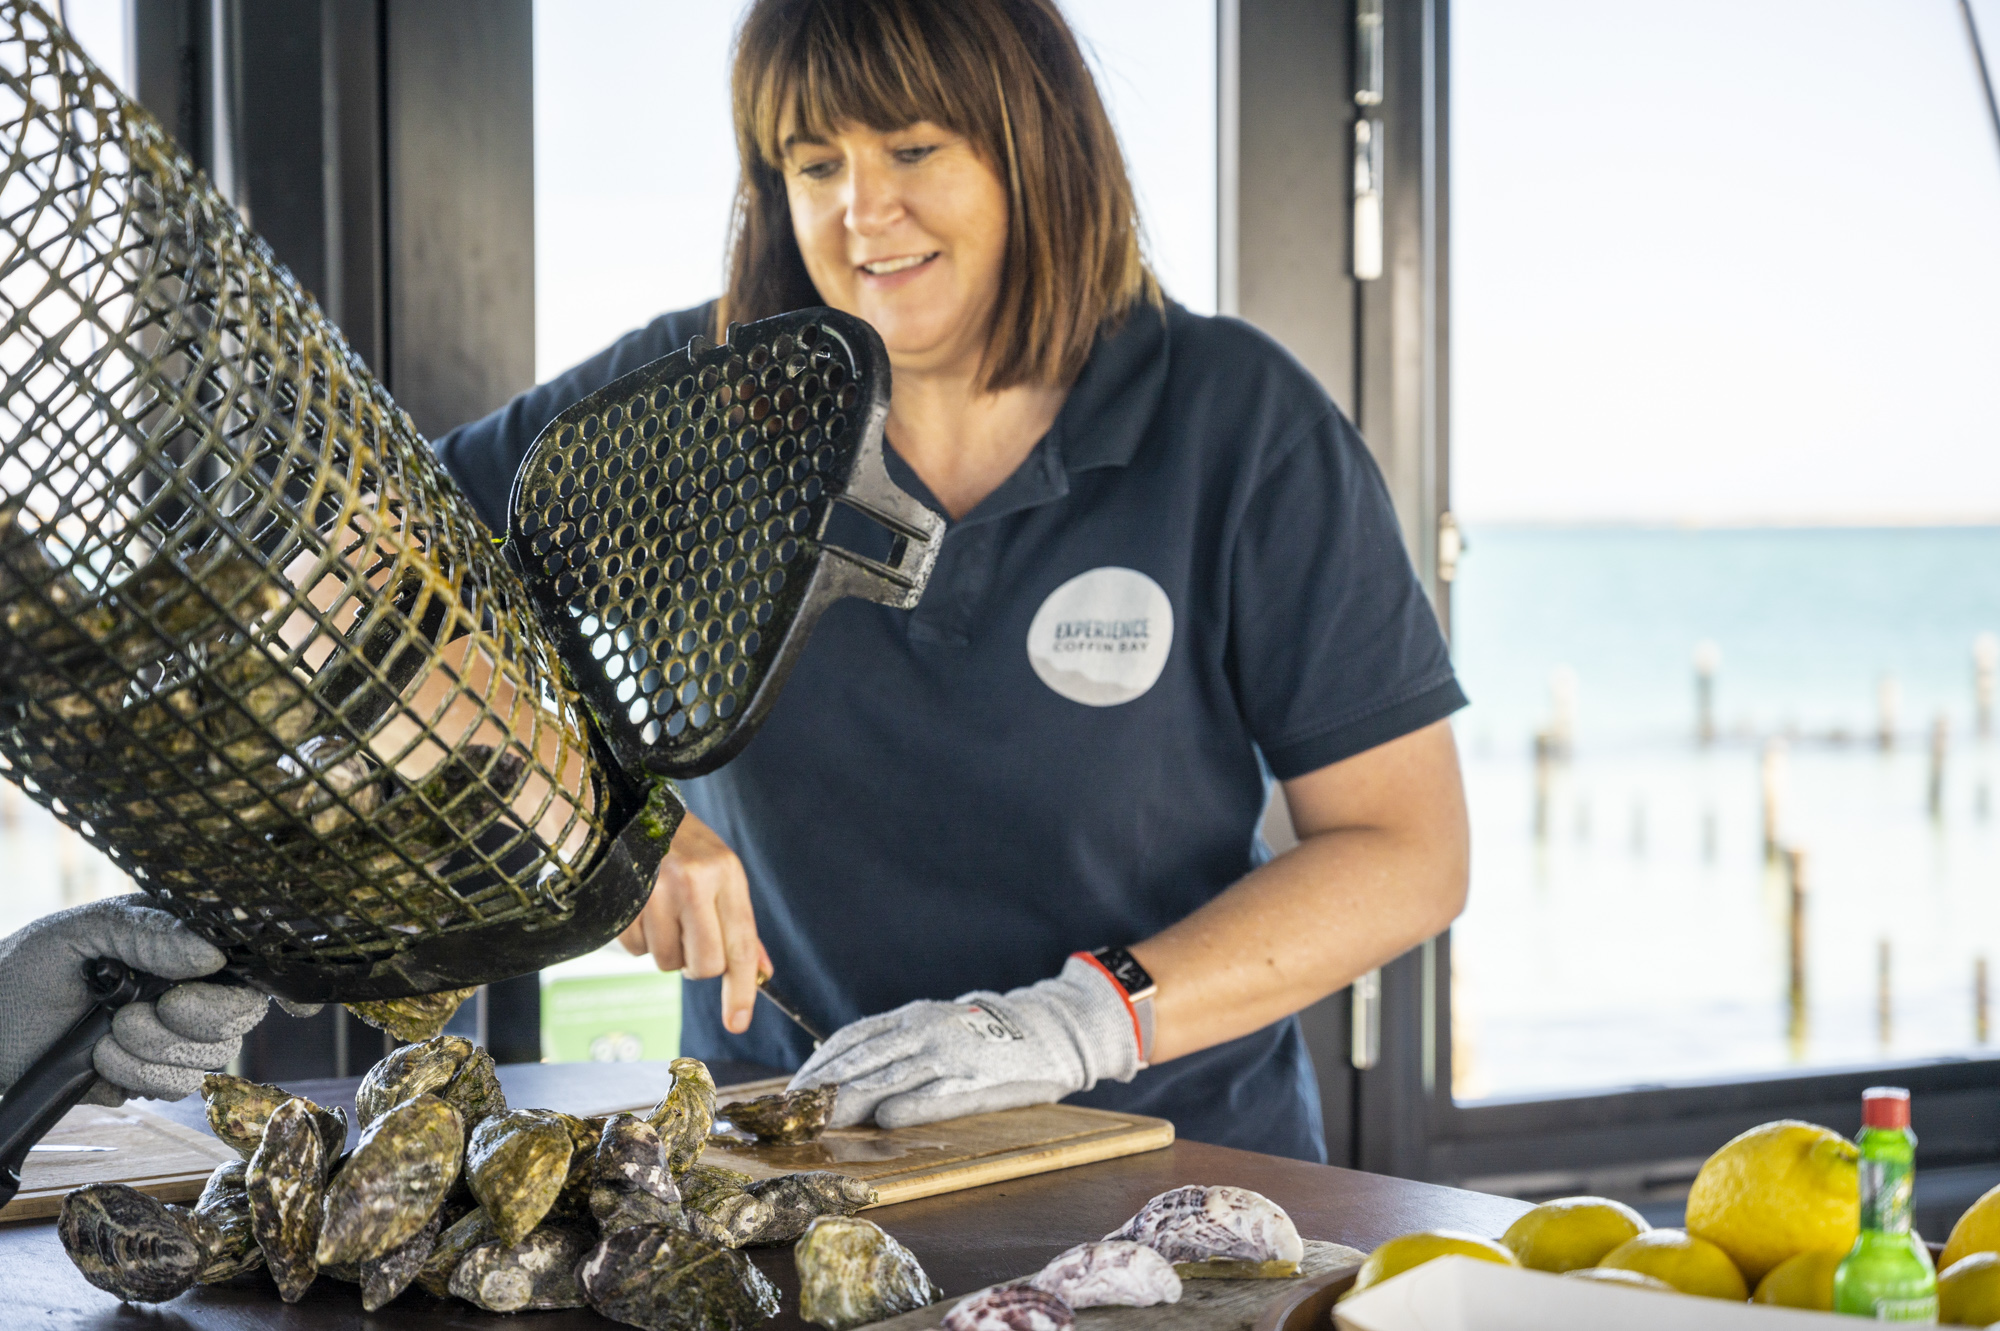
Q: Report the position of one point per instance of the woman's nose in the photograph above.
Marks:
(873, 201)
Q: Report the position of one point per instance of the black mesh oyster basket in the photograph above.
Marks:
(254, 645)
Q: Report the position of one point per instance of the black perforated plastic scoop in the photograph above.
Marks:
(671, 528)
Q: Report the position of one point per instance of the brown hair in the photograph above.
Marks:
(1007, 75)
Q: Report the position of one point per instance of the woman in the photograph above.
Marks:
(1171, 572)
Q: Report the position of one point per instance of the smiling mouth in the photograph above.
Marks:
(884, 267)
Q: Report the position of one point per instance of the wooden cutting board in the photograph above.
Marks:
(1205, 1305)
(151, 1153)
(903, 1164)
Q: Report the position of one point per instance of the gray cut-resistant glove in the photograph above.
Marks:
(154, 1049)
(981, 1052)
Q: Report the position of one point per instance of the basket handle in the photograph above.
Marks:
(59, 1078)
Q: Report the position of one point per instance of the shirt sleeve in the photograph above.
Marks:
(1335, 647)
(484, 455)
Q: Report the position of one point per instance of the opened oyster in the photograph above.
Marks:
(851, 1272)
(629, 1182)
(1010, 1308)
(393, 1182)
(666, 1279)
(286, 1181)
(1110, 1273)
(536, 1274)
(129, 1244)
(786, 1118)
(516, 1163)
(1224, 1232)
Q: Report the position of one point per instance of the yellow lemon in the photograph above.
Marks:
(1400, 1254)
(1571, 1232)
(1689, 1264)
(1978, 1230)
(1783, 1188)
(1803, 1280)
(1611, 1275)
(1969, 1291)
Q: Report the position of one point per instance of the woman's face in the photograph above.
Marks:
(906, 229)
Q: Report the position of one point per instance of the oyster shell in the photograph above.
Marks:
(237, 1109)
(229, 1245)
(393, 1182)
(796, 1200)
(428, 1066)
(666, 1279)
(685, 1116)
(417, 1018)
(128, 1244)
(852, 1272)
(535, 1274)
(474, 1091)
(572, 1206)
(1223, 1232)
(717, 1204)
(286, 1181)
(702, 1184)
(517, 1163)
(385, 1277)
(629, 1182)
(1010, 1308)
(1110, 1273)
(787, 1118)
(453, 1242)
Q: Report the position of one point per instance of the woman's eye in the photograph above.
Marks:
(819, 170)
(911, 156)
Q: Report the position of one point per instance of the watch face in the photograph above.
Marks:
(1124, 968)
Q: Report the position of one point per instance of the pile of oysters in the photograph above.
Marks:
(452, 1191)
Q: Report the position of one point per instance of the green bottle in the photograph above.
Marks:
(1888, 1275)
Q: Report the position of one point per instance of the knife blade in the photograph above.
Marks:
(788, 1009)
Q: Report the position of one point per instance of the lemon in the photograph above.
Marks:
(1571, 1232)
(1969, 1290)
(1400, 1254)
(1978, 1230)
(1691, 1265)
(1803, 1280)
(1612, 1275)
(1783, 1188)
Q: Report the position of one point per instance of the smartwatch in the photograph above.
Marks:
(1137, 987)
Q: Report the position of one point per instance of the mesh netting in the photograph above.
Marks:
(253, 644)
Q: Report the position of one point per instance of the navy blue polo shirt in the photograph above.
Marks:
(1193, 583)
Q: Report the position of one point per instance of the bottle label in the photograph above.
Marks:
(1907, 1310)
(1886, 1192)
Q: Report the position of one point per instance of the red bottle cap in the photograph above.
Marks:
(1885, 1107)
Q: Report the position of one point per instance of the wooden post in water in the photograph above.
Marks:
(1980, 1027)
(1543, 758)
(1888, 694)
(1773, 774)
(1885, 1008)
(1795, 986)
(1707, 660)
(1940, 741)
(1985, 664)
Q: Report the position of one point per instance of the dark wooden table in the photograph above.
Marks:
(966, 1240)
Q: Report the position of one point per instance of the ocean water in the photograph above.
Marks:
(1625, 926)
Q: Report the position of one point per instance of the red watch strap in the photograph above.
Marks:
(1138, 1038)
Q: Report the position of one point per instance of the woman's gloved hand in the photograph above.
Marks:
(157, 1049)
(983, 1051)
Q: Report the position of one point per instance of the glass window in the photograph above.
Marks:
(1724, 425)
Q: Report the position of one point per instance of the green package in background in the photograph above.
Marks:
(621, 1018)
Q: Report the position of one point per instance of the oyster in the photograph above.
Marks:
(796, 1200)
(786, 1118)
(237, 1109)
(385, 1277)
(393, 1182)
(718, 1205)
(413, 1069)
(1110, 1273)
(666, 1279)
(128, 1244)
(1010, 1308)
(286, 1181)
(629, 1182)
(474, 1091)
(685, 1116)
(1223, 1232)
(453, 1242)
(702, 1184)
(572, 1205)
(517, 1163)
(229, 1244)
(413, 1018)
(535, 1274)
(852, 1272)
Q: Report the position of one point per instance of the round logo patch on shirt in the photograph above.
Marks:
(1102, 637)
